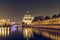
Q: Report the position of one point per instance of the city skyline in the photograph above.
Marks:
(16, 9)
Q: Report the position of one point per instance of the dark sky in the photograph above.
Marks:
(15, 9)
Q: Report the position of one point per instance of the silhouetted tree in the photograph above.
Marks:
(41, 18)
(38, 18)
(35, 19)
(47, 17)
(54, 16)
(59, 15)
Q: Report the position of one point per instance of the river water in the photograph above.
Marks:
(6, 33)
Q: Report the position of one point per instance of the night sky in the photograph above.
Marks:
(15, 9)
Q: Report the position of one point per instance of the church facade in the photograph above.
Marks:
(27, 19)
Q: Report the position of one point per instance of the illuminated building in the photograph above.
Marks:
(49, 21)
(4, 22)
(4, 27)
(4, 31)
(27, 18)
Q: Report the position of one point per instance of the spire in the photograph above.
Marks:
(27, 12)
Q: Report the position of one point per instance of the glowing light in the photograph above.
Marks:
(14, 28)
(27, 32)
(32, 18)
(8, 31)
(0, 31)
(27, 18)
(4, 31)
(12, 23)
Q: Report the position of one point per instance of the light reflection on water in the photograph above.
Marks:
(28, 32)
(47, 33)
(4, 31)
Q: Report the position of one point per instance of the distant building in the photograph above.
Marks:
(55, 20)
(4, 22)
(5, 29)
(27, 18)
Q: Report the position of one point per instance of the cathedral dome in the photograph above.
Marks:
(27, 18)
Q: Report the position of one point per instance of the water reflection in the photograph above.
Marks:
(27, 32)
(4, 31)
(48, 33)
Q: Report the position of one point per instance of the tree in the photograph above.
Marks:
(41, 18)
(35, 19)
(38, 18)
(54, 16)
(59, 15)
(47, 17)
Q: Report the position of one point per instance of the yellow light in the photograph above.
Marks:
(0, 31)
(27, 32)
(4, 31)
(8, 31)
